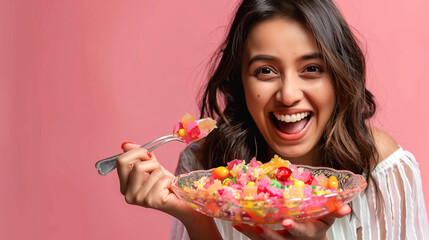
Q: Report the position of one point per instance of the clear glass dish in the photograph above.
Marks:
(270, 211)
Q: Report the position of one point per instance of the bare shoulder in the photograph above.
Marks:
(384, 143)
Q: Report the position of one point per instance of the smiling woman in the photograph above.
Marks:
(288, 93)
(77, 78)
(292, 79)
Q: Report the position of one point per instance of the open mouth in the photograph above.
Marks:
(291, 123)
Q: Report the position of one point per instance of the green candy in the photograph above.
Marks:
(275, 183)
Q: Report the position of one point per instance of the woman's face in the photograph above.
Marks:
(288, 90)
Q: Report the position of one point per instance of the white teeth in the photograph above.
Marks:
(291, 118)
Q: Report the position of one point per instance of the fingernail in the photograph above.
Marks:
(350, 210)
(259, 229)
(289, 225)
(149, 155)
(238, 228)
(123, 144)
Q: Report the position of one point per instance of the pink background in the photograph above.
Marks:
(80, 77)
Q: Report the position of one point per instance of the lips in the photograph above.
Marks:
(291, 124)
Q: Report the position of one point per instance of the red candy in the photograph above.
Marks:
(195, 132)
(283, 173)
(309, 180)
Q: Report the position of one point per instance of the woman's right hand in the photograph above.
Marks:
(144, 182)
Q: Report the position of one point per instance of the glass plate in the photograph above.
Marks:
(270, 211)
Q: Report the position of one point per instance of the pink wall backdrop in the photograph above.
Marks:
(77, 78)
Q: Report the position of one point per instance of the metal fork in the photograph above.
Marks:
(107, 165)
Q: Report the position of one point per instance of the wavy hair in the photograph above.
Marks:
(347, 142)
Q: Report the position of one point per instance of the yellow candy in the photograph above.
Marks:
(299, 183)
(247, 204)
(251, 183)
(320, 192)
(226, 181)
(278, 162)
(266, 168)
(182, 132)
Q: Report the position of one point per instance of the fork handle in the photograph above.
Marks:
(107, 165)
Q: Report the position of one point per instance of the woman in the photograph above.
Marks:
(291, 78)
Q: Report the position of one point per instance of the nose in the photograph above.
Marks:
(290, 90)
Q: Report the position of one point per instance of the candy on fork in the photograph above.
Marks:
(187, 130)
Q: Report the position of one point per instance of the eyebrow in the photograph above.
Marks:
(271, 58)
(311, 56)
(261, 57)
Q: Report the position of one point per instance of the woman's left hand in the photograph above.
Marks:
(311, 229)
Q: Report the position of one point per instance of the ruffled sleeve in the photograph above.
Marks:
(396, 211)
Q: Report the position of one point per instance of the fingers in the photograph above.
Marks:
(160, 191)
(127, 146)
(152, 192)
(139, 181)
(341, 211)
(248, 230)
(268, 233)
(258, 232)
(139, 184)
(143, 181)
(315, 227)
(126, 161)
(307, 228)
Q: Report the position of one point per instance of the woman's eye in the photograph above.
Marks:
(313, 69)
(264, 71)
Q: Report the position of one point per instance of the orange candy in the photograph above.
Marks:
(220, 173)
(332, 182)
(187, 118)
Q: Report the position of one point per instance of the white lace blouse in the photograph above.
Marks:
(402, 214)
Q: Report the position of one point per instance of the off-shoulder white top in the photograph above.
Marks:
(402, 214)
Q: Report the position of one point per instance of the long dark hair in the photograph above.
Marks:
(347, 142)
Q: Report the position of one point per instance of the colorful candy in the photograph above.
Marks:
(332, 182)
(273, 180)
(189, 129)
(220, 173)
